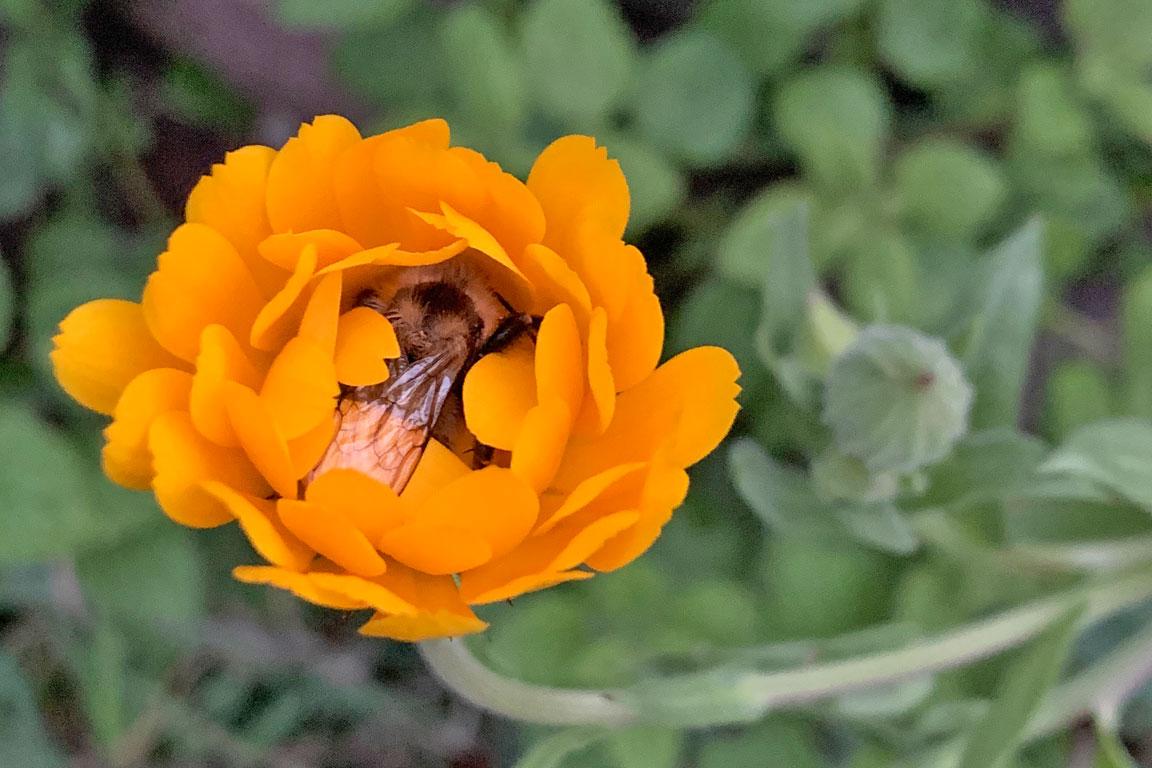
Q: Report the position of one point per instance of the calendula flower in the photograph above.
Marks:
(417, 383)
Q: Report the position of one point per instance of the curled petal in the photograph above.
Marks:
(664, 490)
(364, 340)
(460, 226)
(605, 487)
(555, 282)
(299, 584)
(221, 360)
(300, 389)
(199, 281)
(332, 535)
(499, 391)
(184, 460)
(301, 192)
(280, 318)
(260, 438)
(321, 319)
(126, 457)
(101, 347)
(540, 445)
(579, 188)
(559, 360)
(286, 248)
(268, 536)
(601, 406)
(636, 340)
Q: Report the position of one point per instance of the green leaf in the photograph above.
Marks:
(102, 666)
(837, 122)
(483, 72)
(694, 98)
(746, 246)
(775, 742)
(948, 189)
(7, 302)
(994, 740)
(781, 496)
(770, 34)
(984, 466)
(837, 477)
(656, 186)
(1116, 31)
(1136, 315)
(551, 751)
(1051, 116)
(341, 14)
(896, 400)
(45, 490)
(154, 579)
(1110, 752)
(23, 741)
(881, 525)
(198, 97)
(646, 747)
(399, 64)
(882, 281)
(569, 82)
(931, 43)
(787, 279)
(1078, 392)
(999, 342)
(1113, 453)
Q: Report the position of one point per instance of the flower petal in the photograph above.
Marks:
(599, 409)
(257, 433)
(499, 391)
(126, 457)
(101, 347)
(199, 281)
(301, 189)
(321, 319)
(364, 339)
(560, 359)
(579, 188)
(268, 536)
(221, 360)
(423, 626)
(307, 450)
(279, 319)
(440, 611)
(231, 201)
(183, 460)
(285, 249)
(483, 514)
(332, 535)
(555, 282)
(371, 506)
(664, 490)
(540, 445)
(299, 584)
(592, 489)
(460, 226)
(437, 468)
(543, 561)
(300, 389)
(636, 340)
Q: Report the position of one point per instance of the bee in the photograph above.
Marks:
(446, 317)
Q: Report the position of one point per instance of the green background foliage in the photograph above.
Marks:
(923, 228)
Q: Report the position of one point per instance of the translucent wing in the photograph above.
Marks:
(383, 428)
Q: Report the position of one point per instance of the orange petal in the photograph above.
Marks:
(372, 592)
(689, 401)
(200, 281)
(487, 512)
(183, 460)
(437, 468)
(555, 281)
(364, 339)
(332, 535)
(252, 421)
(231, 201)
(423, 626)
(285, 249)
(279, 319)
(540, 445)
(499, 391)
(126, 458)
(664, 490)
(300, 389)
(560, 359)
(299, 584)
(221, 360)
(301, 192)
(588, 491)
(371, 506)
(321, 317)
(268, 536)
(511, 212)
(599, 409)
(543, 561)
(367, 214)
(578, 188)
(636, 340)
(103, 345)
(307, 450)
(460, 226)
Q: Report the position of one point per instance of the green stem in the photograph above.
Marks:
(727, 695)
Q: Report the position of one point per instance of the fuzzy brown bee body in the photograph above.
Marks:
(445, 319)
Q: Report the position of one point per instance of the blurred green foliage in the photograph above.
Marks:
(884, 208)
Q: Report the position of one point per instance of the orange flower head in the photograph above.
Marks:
(417, 383)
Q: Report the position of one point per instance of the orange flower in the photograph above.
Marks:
(417, 383)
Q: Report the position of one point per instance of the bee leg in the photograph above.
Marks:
(510, 329)
(482, 455)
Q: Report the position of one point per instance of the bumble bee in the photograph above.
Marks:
(446, 317)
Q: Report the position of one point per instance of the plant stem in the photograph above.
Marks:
(729, 695)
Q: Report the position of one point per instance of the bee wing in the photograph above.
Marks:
(384, 428)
